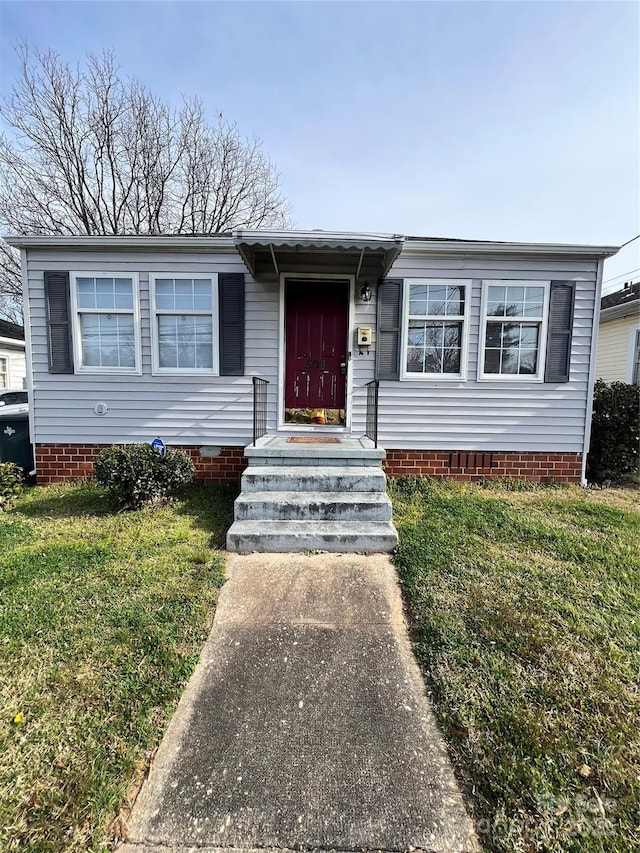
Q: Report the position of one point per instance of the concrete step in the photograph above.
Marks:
(291, 536)
(276, 450)
(335, 478)
(313, 506)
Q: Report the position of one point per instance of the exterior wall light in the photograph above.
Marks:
(365, 292)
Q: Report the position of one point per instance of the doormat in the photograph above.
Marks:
(316, 439)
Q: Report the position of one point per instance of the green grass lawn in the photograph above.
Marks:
(102, 616)
(526, 618)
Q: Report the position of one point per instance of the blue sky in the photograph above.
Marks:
(495, 120)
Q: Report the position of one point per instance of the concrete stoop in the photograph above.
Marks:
(309, 497)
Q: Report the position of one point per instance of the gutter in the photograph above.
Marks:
(14, 342)
(619, 312)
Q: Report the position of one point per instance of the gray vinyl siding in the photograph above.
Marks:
(514, 415)
(414, 414)
(212, 410)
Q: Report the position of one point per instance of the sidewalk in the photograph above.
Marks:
(305, 725)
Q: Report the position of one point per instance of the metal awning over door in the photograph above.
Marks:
(267, 254)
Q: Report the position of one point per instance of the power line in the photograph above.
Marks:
(621, 275)
(628, 241)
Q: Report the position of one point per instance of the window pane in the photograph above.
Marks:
(528, 360)
(451, 360)
(437, 299)
(86, 292)
(455, 301)
(418, 299)
(494, 334)
(416, 334)
(433, 360)
(202, 294)
(492, 361)
(107, 340)
(185, 341)
(415, 360)
(164, 294)
(124, 293)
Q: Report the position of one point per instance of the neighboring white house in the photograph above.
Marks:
(483, 350)
(618, 357)
(12, 356)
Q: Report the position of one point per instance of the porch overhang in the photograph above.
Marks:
(267, 254)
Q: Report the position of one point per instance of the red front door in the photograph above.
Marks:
(316, 344)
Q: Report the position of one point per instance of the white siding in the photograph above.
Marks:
(614, 342)
(414, 414)
(16, 365)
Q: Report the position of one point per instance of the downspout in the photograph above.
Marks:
(592, 370)
(27, 349)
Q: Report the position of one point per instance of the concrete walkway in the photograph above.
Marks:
(306, 725)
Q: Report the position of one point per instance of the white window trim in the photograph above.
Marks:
(156, 370)
(542, 353)
(7, 372)
(136, 370)
(631, 351)
(464, 347)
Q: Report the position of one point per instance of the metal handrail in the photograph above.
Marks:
(259, 407)
(371, 422)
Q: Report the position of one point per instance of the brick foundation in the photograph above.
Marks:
(534, 467)
(60, 463)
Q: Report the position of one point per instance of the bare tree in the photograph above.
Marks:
(89, 152)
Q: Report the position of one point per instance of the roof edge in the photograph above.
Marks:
(471, 247)
(100, 241)
(229, 241)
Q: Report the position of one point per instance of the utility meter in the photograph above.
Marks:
(364, 336)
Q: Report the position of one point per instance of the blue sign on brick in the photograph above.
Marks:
(159, 446)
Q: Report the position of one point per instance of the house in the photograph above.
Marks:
(618, 355)
(12, 356)
(438, 357)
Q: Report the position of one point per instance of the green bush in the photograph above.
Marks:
(11, 480)
(136, 474)
(614, 453)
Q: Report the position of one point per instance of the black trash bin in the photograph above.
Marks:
(15, 442)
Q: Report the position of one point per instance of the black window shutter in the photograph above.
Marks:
(559, 331)
(389, 320)
(231, 323)
(57, 299)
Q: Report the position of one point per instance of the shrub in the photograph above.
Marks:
(11, 480)
(615, 432)
(136, 474)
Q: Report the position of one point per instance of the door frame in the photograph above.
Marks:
(351, 281)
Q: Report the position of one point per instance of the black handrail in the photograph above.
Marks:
(259, 407)
(371, 423)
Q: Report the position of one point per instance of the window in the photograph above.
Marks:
(514, 329)
(184, 321)
(4, 372)
(435, 338)
(106, 325)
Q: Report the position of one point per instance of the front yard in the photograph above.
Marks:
(102, 617)
(525, 614)
(526, 619)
